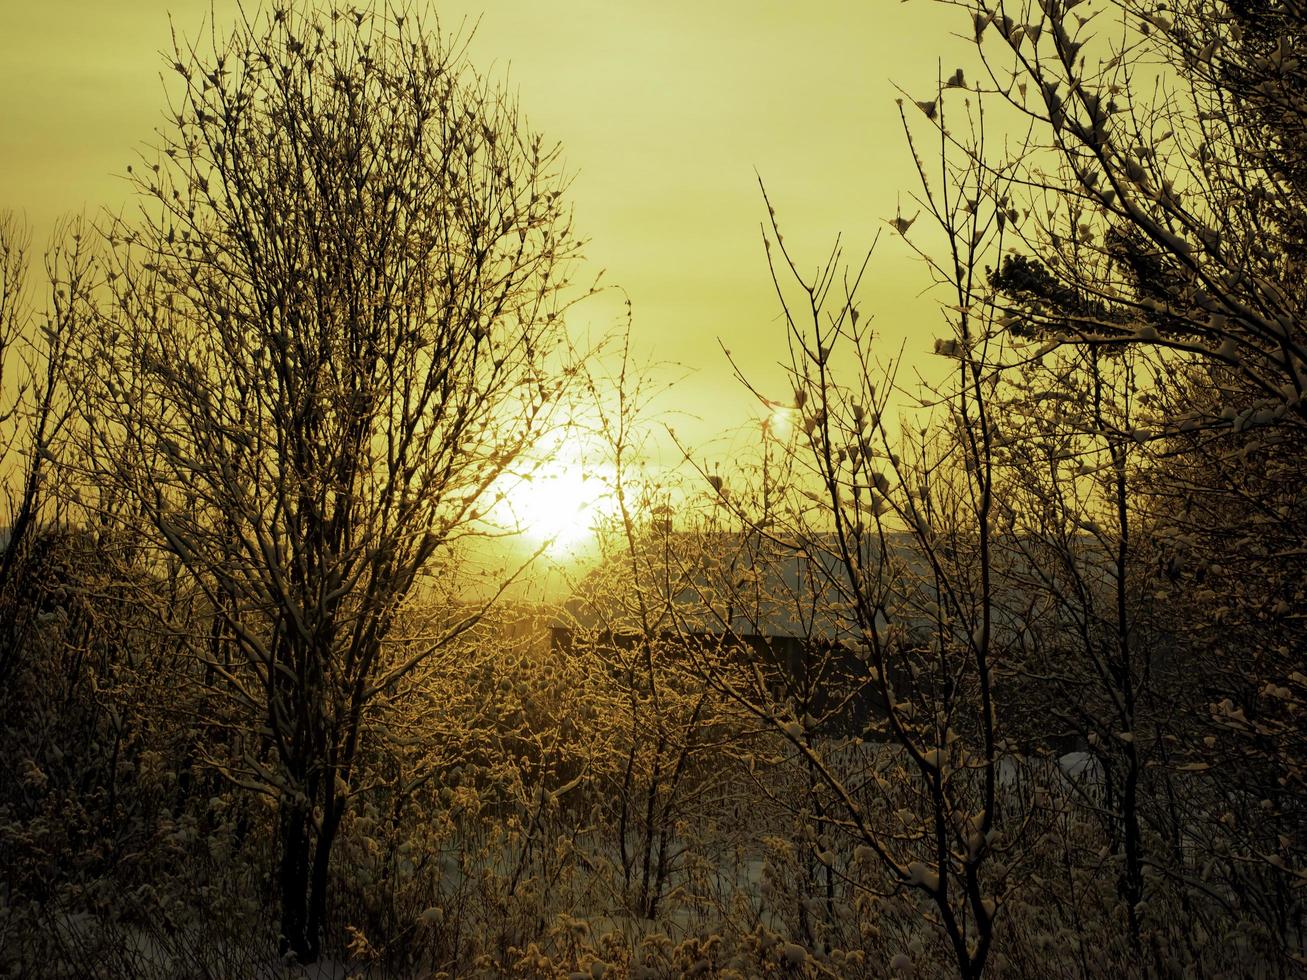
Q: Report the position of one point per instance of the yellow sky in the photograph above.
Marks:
(666, 109)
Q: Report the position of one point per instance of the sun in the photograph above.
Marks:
(557, 505)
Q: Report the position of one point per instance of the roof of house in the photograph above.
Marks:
(742, 584)
(750, 584)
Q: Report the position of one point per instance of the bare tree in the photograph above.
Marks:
(1092, 669)
(335, 322)
(665, 720)
(1163, 192)
(34, 409)
(899, 530)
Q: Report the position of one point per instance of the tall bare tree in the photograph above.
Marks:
(335, 321)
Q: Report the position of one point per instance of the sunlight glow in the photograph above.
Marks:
(559, 504)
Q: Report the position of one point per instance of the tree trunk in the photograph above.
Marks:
(318, 883)
(293, 884)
